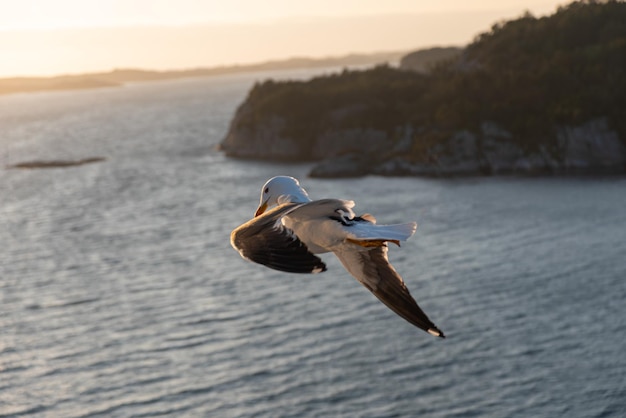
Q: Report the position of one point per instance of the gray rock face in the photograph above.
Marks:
(459, 156)
(591, 148)
(263, 141)
(349, 141)
(266, 140)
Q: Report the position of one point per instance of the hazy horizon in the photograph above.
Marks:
(71, 37)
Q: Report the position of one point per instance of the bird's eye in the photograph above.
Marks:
(267, 189)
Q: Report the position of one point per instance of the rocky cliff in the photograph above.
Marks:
(589, 148)
(530, 96)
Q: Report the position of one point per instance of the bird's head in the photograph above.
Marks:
(278, 190)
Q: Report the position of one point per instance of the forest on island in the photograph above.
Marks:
(528, 76)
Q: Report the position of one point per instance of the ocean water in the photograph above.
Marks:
(120, 295)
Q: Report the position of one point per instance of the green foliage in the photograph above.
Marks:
(563, 69)
(528, 75)
(380, 98)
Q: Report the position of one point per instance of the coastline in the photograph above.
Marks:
(119, 77)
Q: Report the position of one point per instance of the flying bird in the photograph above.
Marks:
(289, 228)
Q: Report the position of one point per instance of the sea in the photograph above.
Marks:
(121, 296)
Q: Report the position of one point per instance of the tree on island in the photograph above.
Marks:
(530, 77)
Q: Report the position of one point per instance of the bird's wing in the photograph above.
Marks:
(373, 270)
(265, 240)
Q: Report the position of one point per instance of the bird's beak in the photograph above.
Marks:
(261, 209)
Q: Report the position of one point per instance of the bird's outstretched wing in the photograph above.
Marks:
(265, 240)
(372, 269)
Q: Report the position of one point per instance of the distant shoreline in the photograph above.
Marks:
(119, 77)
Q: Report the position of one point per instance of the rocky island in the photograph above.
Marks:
(56, 163)
(530, 96)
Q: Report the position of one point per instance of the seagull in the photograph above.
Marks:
(289, 228)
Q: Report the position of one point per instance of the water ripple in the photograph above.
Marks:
(122, 297)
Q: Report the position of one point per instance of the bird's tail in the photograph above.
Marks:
(373, 232)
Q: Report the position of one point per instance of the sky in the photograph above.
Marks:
(53, 37)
